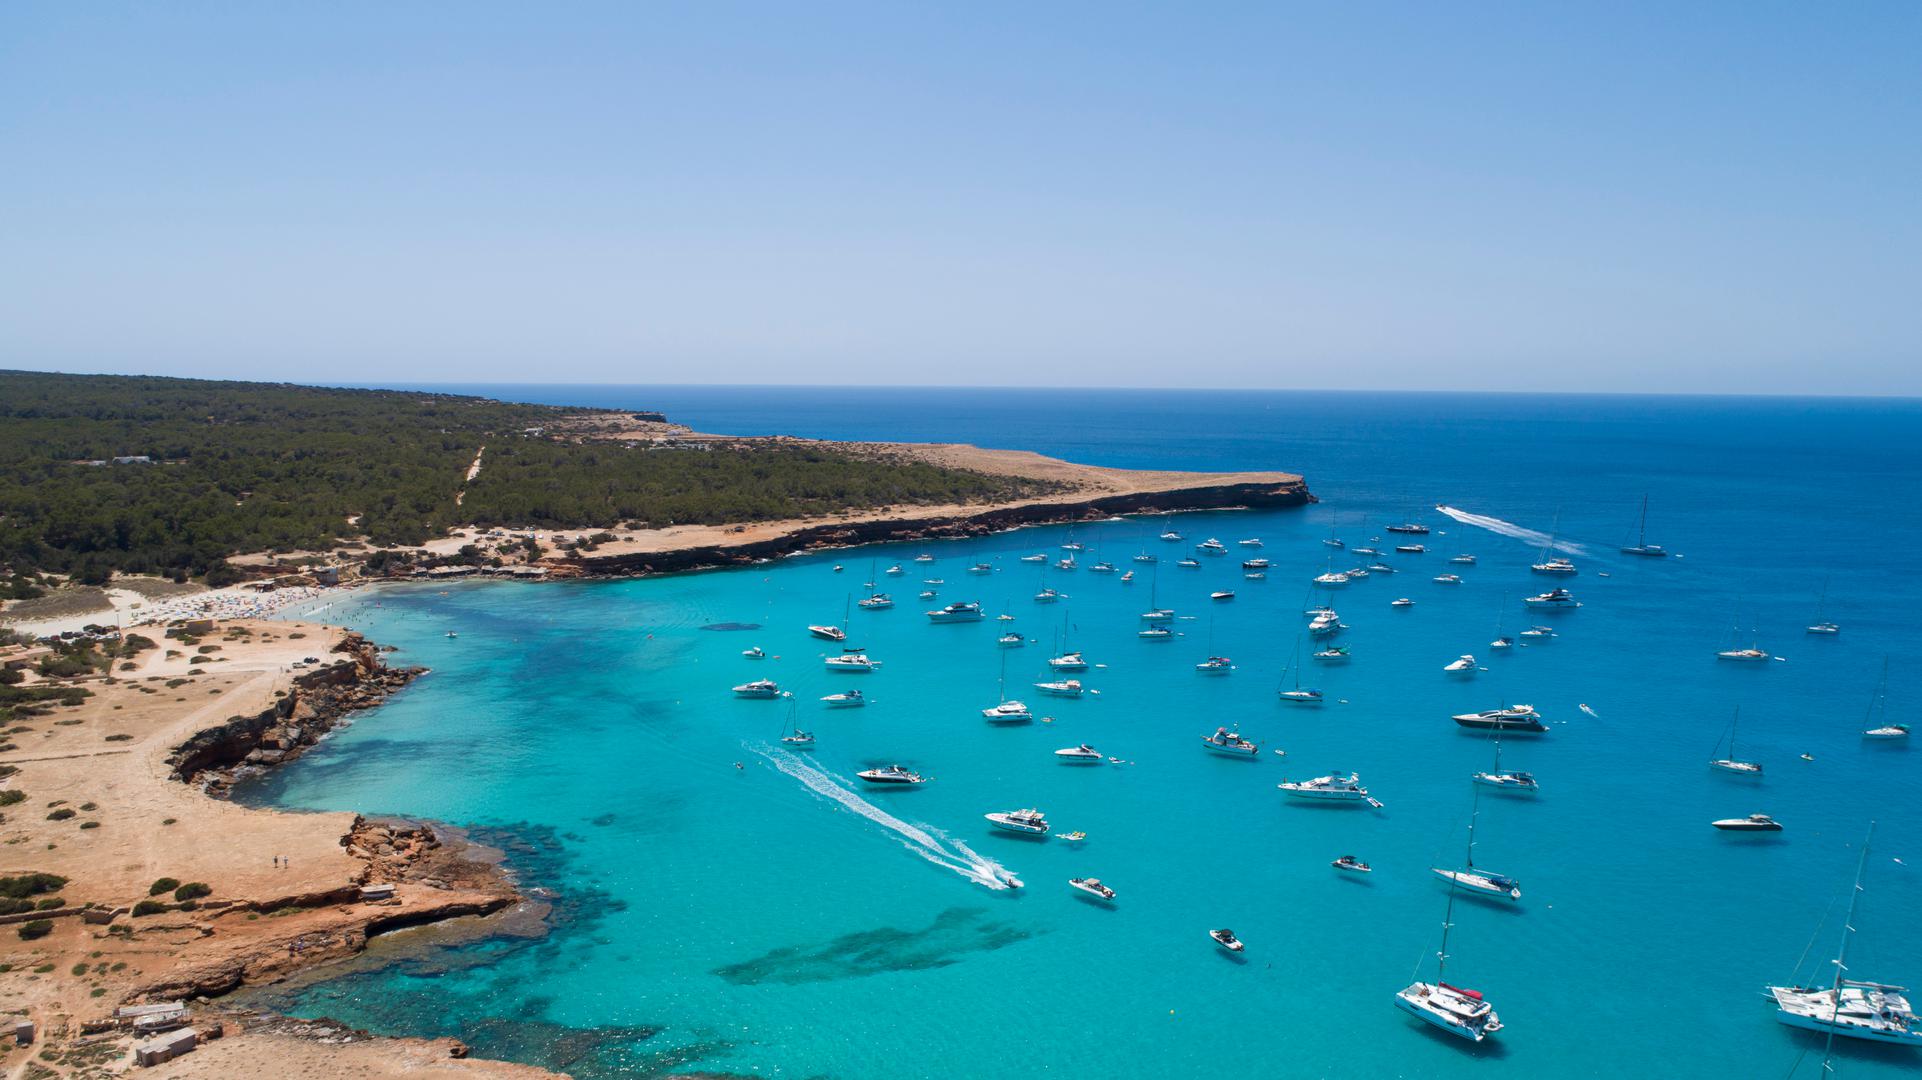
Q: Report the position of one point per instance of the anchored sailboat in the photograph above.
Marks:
(1454, 1009)
(1641, 546)
(1731, 763)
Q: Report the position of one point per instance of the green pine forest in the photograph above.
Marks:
(242, 467)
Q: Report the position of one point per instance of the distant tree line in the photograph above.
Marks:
(235, 467)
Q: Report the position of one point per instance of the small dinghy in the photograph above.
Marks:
(1227, 940)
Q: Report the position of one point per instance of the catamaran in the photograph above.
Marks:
(1731, 763)
(1071, 661)
(1456, 1010)
(1873, 1012)
(1006, 711)
(878, 602)
(1641, 546)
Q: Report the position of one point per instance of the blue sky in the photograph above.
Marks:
(1661, 197)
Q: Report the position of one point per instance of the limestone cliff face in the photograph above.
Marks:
(318, 700)
(1218, 497)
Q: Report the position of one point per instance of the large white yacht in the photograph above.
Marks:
(1070, 688)
(1079, 755)
(1333, 787)
(759, 688)
(1850, 1008)
(1553, 598)
(1509, 719)
(1462, 666)
(964, 611)
(1028, 822)
(854, 663)
(1008, 712)
(1557, 565)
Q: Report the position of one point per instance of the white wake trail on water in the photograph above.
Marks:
(926, 841)
(1509, 528)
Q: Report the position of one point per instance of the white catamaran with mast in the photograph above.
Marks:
(1874, 1012)
(1641, 546)
(1731, 763)
(1454, 1009)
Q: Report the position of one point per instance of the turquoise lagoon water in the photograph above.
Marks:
(777, 919)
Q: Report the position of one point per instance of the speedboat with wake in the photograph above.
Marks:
(892, 774)
(1027, 822)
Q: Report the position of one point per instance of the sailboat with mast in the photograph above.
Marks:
(1873, 1012)
(1523, 783)
(1878, 715)
(1299, 695)
(834, 633)
(1731, 763)
(1471, 879)
(1455, 1009)
(1641, 546)
(1822, 625)
(1214, 665)
(1553, 564)
(792, 736)
(1006, 711)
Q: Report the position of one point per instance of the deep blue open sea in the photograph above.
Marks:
(780, 919)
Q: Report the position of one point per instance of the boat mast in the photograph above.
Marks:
(1641, 531)
(1880, 702)
(1842, 953)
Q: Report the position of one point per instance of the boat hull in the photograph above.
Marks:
(1438, 1019)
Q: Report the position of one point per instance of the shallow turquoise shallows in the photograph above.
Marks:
(780, 918)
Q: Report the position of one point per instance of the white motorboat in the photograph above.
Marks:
(1731, 763)
(1331, 788)
(1189, 563)
(1102, 568)
(1502, 643)
(1824, 628)
(924, 558)
(1227, 940)
(1093, 887)
(1411, 549)
(1079, 755)
(1463, 560)
(1331, 580)
(1171, 536)
(1073, 661)
(1539, 635)
(1357, 574)
(828, 633)
(926, 594)
(1072, 546)
(1401, 602)
(856, 663)
(1850, 1008)
(846, 699)
(1144, 557)
(759, 688)
(892, 774)
(1352, 865)
(1007, 712)
(981, 568)
(1011, 641)
(1301, 696)
(755, 653)
(1254, 575)
(1556, 565)
(1158, 615)
(1368, 551)
(1212, 546)
(1751, 823)
(1215, 665)
(1066, 562)
(895, 570)
(1324, 625)
(1255, 564)
(1553, 598)
(1230, 744)
(1448, 579)
(1047, 596)
(1223, 594)
(1410, 528)
(1027, 822)
(1070, 688)
(934, 582)
(1522, 719)
(1034, 558)
(1155, 633)
(1337, 654)
(1463, 666)
(966, 611)
(878, 602)
(1253, 541)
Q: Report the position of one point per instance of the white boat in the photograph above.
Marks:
(1751, 823)
(1011, 641)
(1223, 594)
(1190, 563)
(924, 558)
(792, 737)
(892, 774)
(1731, 763)
(895, 570)
(1463, 666)
(1337, 654)
(1887, 731)
(1300, 695)
(828, 633)
(1824, 628)
(1463, 560)
(759, 688)
(1230, 744)
(1093, 887)
(1254, 575)
(1877, 718)
(1554, 566)
(1331, 788)
(1850, 1008)
(1410, 528)
(966, 611)
(1253, 541)
(934, 582)
(1506, 780)
(1357, 574)
(1158, 615)
(1072, 546)
(1255, 564)
(1331, 580)
(1127, 577)
(1047, 596)
(1459, 1011)
(852, 664)
(1448, 579)
(1641, 546)
(1371, 552)
(1007, 712)
(1480, 882)
(1171, 536)
(878, 602)
(1411, 549)
(1227, 940)
(1073, 661)
(1553, 598)
(1034, 558)
(1027, 822)
(1071, 688)
(1521, 719)
(1539, 635)
(846, 699)
(1144, 557)
(755, 653)
(1079, 755)
(1502, 643)
(1750, 654)
(1325, 625)
(1401, 602)
(1102, 568)
(981, 568)
(1212, 546)
(1156, 632)
(1215, 665)
(1066, 562)
(1352, 865)
(926, 594)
